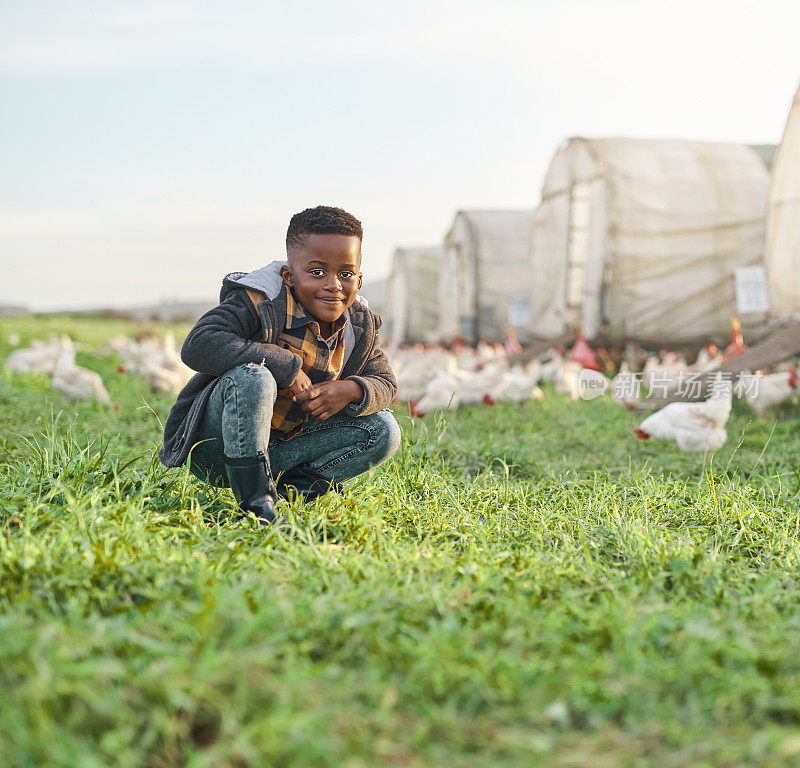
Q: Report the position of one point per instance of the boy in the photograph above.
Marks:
(292, 383)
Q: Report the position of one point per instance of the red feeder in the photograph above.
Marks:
(583, 355)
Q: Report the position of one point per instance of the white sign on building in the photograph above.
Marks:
(752, 296)
(519, 312)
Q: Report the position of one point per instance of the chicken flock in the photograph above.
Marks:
(432, 378)
(155, 359)
(436, 378)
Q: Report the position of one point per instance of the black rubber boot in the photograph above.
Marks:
(307, 482)
(252, 485)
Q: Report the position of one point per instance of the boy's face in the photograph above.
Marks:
(325, 273)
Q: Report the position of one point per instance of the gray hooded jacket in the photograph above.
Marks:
(238, 331)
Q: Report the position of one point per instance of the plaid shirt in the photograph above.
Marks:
(322, 361)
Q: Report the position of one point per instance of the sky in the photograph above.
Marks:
(148, 148)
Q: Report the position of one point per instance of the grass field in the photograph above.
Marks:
(516, 587)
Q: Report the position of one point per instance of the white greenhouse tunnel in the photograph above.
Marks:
(783, 226)
(486, 275)
(412, 308)
(639, 238)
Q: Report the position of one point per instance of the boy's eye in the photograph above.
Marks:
(317, 272)
(346, 275)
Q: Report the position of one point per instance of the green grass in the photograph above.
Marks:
(518, 586)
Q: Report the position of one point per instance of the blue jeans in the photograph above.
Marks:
(237, 423)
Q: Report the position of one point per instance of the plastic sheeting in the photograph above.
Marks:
(783, 228)
(486, 274)
(639, 238)
(412, 308)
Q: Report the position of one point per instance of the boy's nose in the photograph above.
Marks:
(333, 283)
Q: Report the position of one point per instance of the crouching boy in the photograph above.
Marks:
(292, 385)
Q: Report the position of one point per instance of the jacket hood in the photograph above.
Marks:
(267, 280)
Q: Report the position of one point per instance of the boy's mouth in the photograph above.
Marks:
(330, 299)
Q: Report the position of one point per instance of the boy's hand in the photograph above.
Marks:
(300, 384)
(325, 399)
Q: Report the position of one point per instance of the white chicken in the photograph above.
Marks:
(693, 426)
(625, 386)
(163, 380)
(516, 386)
(75, 382)
(650, 367)
(488, 352)
(475, 387)
(534, 370)
(417, 368)
(553, 362)
(766, 391)
(155, 359)
(468, 359)
(441, 393)
(39, 357)
(709, 358)
(569, 383)
(659, 374)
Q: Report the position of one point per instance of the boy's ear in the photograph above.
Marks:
(287, 276)
(360, 280)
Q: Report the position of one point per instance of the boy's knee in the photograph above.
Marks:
(387, 435)
(253, 377)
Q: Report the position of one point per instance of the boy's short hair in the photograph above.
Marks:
(322, 220)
